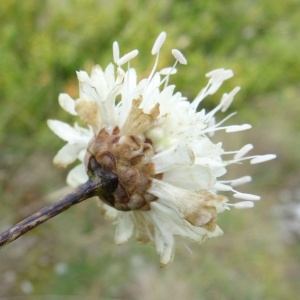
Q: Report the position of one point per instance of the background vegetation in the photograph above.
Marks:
(73, 256)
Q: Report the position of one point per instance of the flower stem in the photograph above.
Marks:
(103, 184)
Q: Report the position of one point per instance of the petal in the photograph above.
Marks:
(68, 133)
(110, 213)
(99, 82)
(165, 248)
(67, 154)
(163, 232)
(89, 113)
(137, 121)
(87, 90)
(124, 228)
(172, 220)
(67, 103)
(108, 106)
(110, 76)
(197, 207)
(171, 157)
(191, 177)
(77, 176)
(203, 147)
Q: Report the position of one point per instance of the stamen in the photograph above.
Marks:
(127, 57)
(243, 151)
(236, 128)
(242, 204)
(228, 98)
(219, 75)
(222, 187)
(179, 56)
(240, 181)
(168, 71)
(155, 50)
(236, 182)
(116, 52)
(201, 95)
(158, 43)
(245, 196)
(225, 119)
(212, 112)
(262, 158)
(166, 79)
(228, 129)
(212, 124)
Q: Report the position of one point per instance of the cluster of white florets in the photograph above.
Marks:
(190, 163)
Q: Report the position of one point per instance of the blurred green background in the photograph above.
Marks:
(43, 43)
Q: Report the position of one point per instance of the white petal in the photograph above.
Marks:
(82, 154)
(110, 76)
(128, 91)
(179, 155)
(90, 113)
(190, 177)
(190, 203)
(77, 176)
(168, 221)
(164, 231)
(99, 84)
(165, 248)
(87, 90)
(203, 147)
(67, 103)
(109, 108)
(110, 213)
(124, 228)
(68, 133)
(67, 155)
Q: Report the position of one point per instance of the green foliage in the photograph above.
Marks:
(43, 43)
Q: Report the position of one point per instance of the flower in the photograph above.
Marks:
(159, 145)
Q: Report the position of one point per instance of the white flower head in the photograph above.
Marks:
(158, 143)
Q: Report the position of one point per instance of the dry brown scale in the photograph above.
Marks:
(129, 157)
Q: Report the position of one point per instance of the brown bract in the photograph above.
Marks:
(138, 121)
(128, 157)
(202, 212)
